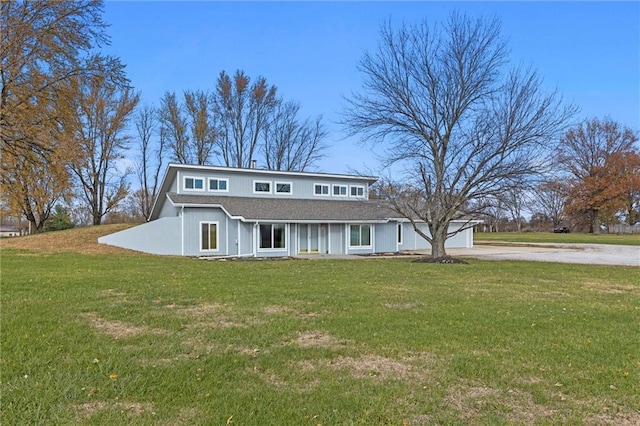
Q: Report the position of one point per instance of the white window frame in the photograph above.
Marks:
(322, 185)
(268, 182)
(360, 225)
(219, 180)
(217, 225)
(184, 183)
(356, 187)
(286, 237)
(275, 187)
(400, 233)
(345, 187)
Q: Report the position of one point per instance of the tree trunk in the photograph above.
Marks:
(595, 225)
(439, 236)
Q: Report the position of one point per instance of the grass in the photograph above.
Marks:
(548, 237)
(136, 339)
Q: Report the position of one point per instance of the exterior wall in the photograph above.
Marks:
(168, 210)
(245, 232)
(386, 237)
(191, 228)
(241, 184)
(161, 236)
(336, 239)
(413, 241)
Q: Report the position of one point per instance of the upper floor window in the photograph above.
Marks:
(320, 189)
(283, 187)
(261, 187)
(196, 184)
(221, 185)
(340, 190)
(357, 191)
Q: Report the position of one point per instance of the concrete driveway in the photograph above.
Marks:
(594, 254)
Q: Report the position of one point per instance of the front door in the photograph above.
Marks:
(311, 238)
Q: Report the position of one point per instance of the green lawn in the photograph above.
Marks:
(137, 339)
(548, 237)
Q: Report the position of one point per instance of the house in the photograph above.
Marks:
(9, 231)
(222, 211)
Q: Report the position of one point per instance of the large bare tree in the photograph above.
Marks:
(151, 144)
(243, 110)
(290, 143)
(99, 110)
(446, 105)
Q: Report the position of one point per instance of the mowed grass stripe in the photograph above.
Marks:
(137, 339)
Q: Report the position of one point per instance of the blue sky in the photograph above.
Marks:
(588, 51)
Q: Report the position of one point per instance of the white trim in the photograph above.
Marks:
(328, 194)
(275, 187)
(338, 185)
(270, 183)
(194, 189)
(209, 222)
(219, 180)
(399, 226)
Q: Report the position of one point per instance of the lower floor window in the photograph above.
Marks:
(208, 235)
(272, 236)
(360, 235)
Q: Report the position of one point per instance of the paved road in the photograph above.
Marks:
(596, 254)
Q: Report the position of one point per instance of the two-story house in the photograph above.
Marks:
(223, 211)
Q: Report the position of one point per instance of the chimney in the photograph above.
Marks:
(254, 164)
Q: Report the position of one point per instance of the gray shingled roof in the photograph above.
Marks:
(295, 210)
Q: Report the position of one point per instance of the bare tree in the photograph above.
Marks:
(586, 154)
(151, 159)
(448, 108)
(551, 196)
(175, 128)
(99, 112)
(515, 201)
(243, 110)
(291, 144)
(202, 124)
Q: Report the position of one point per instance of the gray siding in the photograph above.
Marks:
(246, 238)
(167, 209)
(336, 238)
(241, 184)
(160, 236)
(413, 241)
(192, 219)
(386, 237)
